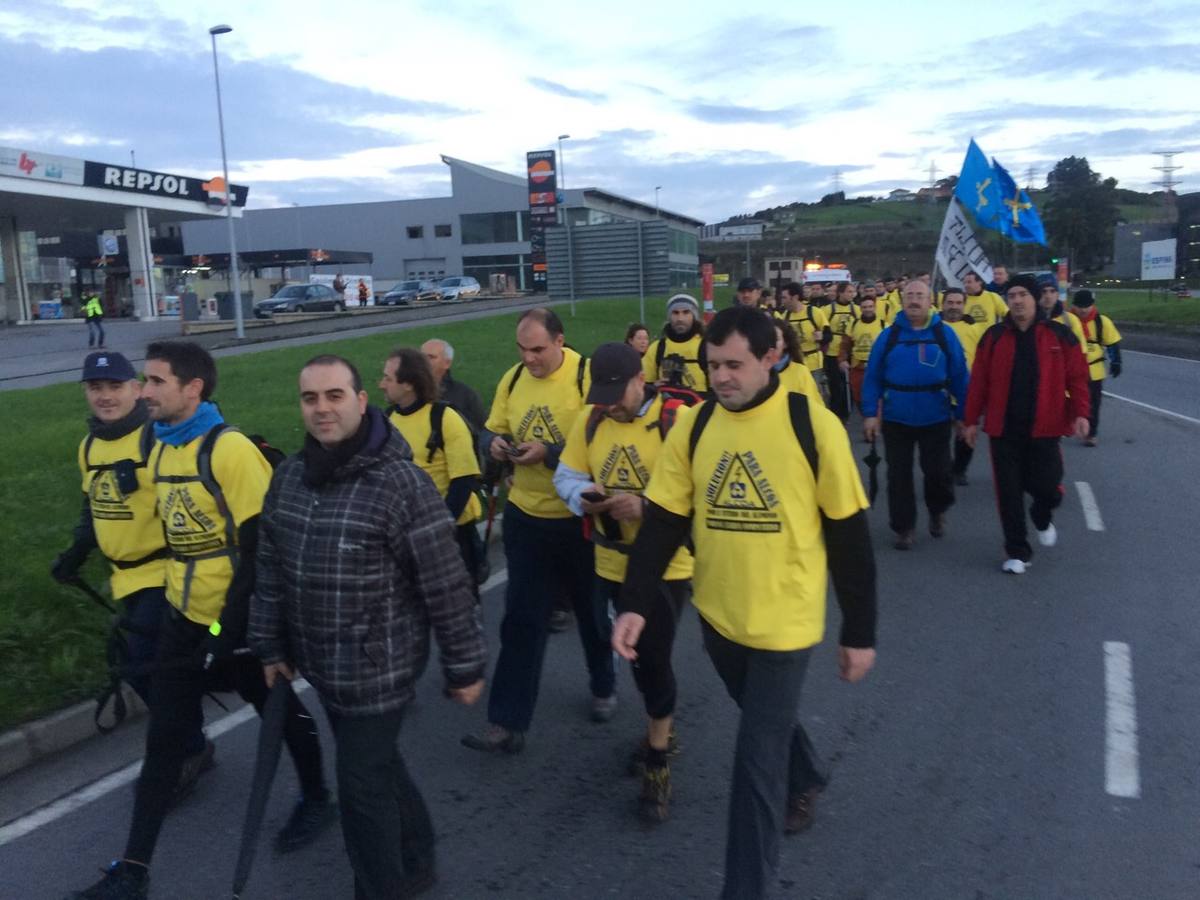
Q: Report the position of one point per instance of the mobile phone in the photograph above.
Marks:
(513, 451)
(593, 496)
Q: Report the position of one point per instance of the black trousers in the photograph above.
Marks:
(839, 401)
(1020, 466)
(385, 823)
(176, 691)
(652, 670)
(963, 454)
(1095, 391)
(901, 443)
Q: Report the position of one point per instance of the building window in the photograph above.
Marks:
(490, 228)
(441, 231)
(416, 232)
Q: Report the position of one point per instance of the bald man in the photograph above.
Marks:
(461, 397)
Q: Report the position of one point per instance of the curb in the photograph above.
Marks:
(34, 741)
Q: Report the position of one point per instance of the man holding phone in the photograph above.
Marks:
(535, 406)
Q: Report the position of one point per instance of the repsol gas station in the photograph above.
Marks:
(73, 227)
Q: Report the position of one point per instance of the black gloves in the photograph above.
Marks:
(67, 564)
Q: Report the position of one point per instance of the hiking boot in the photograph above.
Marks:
(560, 621)
(654, 803)
(1049, 536)
(1014, 566)
(604, 708)
(122, 881)
(937, 525)
(308, 820)
(905, 539)
(494, 738)
(637, 759)
(800, 813)
(193, 767)
(960, 479)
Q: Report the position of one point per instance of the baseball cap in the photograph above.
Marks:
(748, 284)
(613, 365)
(107, 366)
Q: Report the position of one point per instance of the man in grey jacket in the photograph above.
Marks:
(357, 561)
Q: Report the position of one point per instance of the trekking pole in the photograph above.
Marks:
(92, 593)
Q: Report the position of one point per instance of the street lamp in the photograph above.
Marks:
(657, 188)
(562, 170)
(234, 276)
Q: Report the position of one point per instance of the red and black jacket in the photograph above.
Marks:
(1062, 389)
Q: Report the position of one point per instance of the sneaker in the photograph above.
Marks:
(122, 881)
(937, 525)
(308, 820)
(604, 708)
(961, 479)
(494, 738)
(193, 767)
(1089, 442)
(654, 803)
(560, 621)
(1014, 567)
(1049, 537)
(905, 539)
(637, 759)
(800, 811)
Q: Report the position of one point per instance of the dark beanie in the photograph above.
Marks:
(1026, 281)
(1083, 299)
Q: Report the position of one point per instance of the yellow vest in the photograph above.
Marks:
(694, 376)
(1095, 342)
(621, 457)
(202, 535)
(92, 308)
(539, 409)
(128, 530)
(456, 459)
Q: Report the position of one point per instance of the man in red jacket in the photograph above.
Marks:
(1030, 384)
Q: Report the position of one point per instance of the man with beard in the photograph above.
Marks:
(677, 358)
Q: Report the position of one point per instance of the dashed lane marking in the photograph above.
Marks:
(1121, 777)
(1091, 509)
(1152, 408)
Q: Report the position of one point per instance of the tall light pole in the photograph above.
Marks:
(562, 182)
(234, 276)
(657, 188)
(562, 169)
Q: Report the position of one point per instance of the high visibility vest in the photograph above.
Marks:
(92, 309)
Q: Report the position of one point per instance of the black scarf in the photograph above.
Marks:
(321, 465)
(111, 431)
(670, 335)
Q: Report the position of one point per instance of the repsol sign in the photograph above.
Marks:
(160, 184)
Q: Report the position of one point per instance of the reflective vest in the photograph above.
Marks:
(92, 309)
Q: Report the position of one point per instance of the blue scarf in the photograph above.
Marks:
(784, 362)
(200, 422)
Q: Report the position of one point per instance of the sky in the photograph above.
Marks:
(726, 107)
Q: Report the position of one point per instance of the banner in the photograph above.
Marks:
(1158, 260)
(1019, 221)
(958, 251)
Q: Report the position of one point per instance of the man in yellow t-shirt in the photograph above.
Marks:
(535, 406)
(602, 474)
(969, 333)
(809, 323)
(767, 487)
(843, 313)
(677, 356)
(856, 347)
(442, 447)
(983, 306)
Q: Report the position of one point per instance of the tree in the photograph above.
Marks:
(1079, 213)
(835, 199)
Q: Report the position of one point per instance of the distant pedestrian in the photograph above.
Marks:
(1103, 340)
(364, 292)
(676, 357)
(843, 313)
(93, 315)
(460, 395)
(969, 333)
(637, 336)
(339, 286)
(1029, 384)
(749, 292)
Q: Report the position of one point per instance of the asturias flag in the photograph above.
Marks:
(978, 191)
(1020, 220)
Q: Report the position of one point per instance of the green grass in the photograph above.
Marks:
(1137, 306)
(52, 637)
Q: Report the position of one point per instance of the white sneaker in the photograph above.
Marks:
(1049, 537)
(1013, 567)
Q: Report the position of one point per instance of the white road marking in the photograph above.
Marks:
(1161, 356)
(1091, 509)
(1121, 778)
(80, 798)
(1157, 409)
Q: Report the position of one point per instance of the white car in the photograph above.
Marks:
(458, 287)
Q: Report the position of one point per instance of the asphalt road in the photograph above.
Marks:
(991, 754)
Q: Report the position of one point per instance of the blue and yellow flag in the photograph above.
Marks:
(1020, 220)
(978, 191)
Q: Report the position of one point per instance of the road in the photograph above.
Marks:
(992, 754)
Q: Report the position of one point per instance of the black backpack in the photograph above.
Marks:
(939, 338)
(579, 374)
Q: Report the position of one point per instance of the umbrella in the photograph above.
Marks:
(872, 461)
(270, 743)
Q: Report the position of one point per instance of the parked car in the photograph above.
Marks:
(457, 287)
(407, 291)
(299, 298)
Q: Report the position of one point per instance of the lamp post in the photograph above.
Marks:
(562, 169)
(657, 188)
(234, 276)
(562, 183)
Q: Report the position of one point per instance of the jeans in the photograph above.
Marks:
(1020, 466)
(385, 823)
(544, 556)
(933, 443)
(95, 329)
(176, 691)
(772, 760)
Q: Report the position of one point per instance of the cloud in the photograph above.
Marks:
(714, 53)
(553, 87)
(733, 114)
(1121, 142)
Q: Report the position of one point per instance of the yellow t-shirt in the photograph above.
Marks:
(986, 309)
(456, 459)
(1095, 342)
(539, 409)
(197, 532)
(694, 376)
(621, 457)
(969, 335)
(809, 324)
(886, 309)
(127, 525)
(798, 380)
(760, 576)
(862, 337)
(842, 317)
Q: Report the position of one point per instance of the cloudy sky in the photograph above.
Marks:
(730, 107)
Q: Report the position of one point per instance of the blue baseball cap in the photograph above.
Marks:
(107, 366)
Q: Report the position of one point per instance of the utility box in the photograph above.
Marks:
(191, 307)
(225, 305)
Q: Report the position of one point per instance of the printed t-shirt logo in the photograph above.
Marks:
(739, 496)
(623, 470)
(189, 530)
(538, 425)
(106, 499)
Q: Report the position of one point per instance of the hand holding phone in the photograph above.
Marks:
(593, 496)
